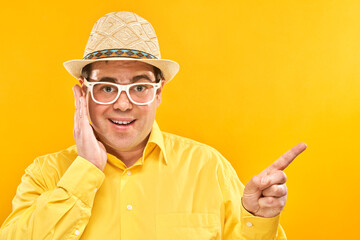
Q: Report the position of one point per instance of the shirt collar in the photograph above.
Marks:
(156, 137)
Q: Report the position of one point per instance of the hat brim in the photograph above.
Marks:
(169, 68)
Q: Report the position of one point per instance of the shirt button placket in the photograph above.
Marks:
(128, 202)
(129, 207)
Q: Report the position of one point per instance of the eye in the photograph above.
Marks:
(108, 89)
(140, 88)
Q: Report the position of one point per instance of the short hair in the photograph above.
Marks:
(85, 72)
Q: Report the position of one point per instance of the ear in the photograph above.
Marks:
(158, 93)
(83, 87)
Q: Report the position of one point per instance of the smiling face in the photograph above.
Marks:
(108, 120)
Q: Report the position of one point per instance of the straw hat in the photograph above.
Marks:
(119, 36)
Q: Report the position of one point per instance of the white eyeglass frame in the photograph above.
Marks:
(121, 88)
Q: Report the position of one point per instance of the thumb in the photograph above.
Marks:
(252, 194)
(256, 184)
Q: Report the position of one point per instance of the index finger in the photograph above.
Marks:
(287, 157)
(77, 94)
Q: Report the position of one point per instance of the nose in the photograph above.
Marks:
(123, 102)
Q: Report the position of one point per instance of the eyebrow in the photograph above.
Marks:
(132, 80)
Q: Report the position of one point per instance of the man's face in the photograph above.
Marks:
(117, 137)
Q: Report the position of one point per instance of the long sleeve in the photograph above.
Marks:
(239, 223)
(58, 212)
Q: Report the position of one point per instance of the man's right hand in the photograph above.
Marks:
(88, 146)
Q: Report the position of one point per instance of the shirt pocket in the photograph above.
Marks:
(181, 226)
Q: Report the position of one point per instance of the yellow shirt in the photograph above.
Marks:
(179, 189)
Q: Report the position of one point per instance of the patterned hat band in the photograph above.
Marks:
(120, 52)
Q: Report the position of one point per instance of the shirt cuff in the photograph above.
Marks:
(82, 179)
(254, 227)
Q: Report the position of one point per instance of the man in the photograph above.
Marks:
(124, 178)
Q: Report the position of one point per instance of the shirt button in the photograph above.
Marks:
(129, 207)
(249, 224)
(77, 232)
(128, 172)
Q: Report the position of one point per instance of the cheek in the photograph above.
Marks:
(148, 113)
(95, 111)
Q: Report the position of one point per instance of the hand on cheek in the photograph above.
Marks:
(88, 147)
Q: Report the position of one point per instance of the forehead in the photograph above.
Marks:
(120, 69)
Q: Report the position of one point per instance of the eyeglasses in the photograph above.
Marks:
(108, 93)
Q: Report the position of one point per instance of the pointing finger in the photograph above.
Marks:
(287, 157)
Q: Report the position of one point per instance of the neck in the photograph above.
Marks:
(128, 158)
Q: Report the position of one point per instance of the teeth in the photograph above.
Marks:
(121, 122)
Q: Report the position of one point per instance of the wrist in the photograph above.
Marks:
(246, 208)
(97, 164)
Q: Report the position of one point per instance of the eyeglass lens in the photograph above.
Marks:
(140, 93)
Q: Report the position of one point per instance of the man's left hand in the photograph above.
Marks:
(265, 194)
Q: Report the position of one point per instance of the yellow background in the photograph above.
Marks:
(256, 78)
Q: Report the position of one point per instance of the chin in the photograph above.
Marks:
(120, 145)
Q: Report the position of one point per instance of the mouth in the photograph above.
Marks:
(122, 123)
